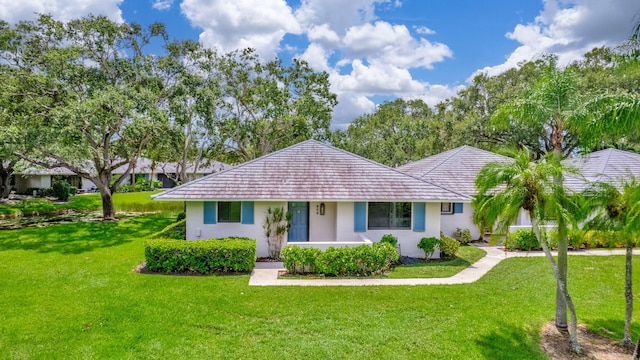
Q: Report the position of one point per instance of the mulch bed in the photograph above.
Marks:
(594, 346)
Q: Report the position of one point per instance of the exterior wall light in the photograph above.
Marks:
(321, 208)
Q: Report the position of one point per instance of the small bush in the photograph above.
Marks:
(389, 239)
(448, 246)
(181, 216)
(361, 260)
(428, 245)
(60, 190)
(299, 260)
(522, 239)
(463, 236)
(200, 256)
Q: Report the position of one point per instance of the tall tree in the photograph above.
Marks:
(397, 132)
(564, 119)
(506, 188)
(613, 207)
(85, 94)
(191, 98)
(267, 106)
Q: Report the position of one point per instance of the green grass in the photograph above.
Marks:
(123, 202)
(467, 255)
(68, 291)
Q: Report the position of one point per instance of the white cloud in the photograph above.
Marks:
(13, 11)
(423, 30)
(338, 14)
(394, 45)
(231, 25)
(324, 35)
(162, 4)
(349, 107)
(570, 28)
(377, 79)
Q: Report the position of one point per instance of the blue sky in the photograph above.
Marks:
(376, 49)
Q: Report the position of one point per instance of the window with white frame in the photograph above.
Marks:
(446, 208)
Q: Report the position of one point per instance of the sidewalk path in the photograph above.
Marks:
(266, 273)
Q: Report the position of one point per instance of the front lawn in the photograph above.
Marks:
(123, 202)
(467, 255)
(68, 291)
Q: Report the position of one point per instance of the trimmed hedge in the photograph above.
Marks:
(361, 260)
(201, 256)
(175, 231)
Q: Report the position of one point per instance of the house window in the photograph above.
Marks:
(389, 215)
(446, 208)
(229, 211)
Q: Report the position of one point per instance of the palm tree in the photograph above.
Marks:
(506, 188)
(565, 119)
(614, 207)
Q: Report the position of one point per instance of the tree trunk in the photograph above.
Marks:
(561, 305)
(5, 180)
(5, 185)
(628, 295)
(573, 330)
(636, 354)
(108, 211)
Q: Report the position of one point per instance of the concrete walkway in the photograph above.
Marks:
(266, 273)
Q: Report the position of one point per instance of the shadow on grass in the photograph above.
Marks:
(509, 342)
(80, 237)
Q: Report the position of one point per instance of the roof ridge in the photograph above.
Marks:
(391, 168)
(453, 153)
(195, 181)
(606, 162)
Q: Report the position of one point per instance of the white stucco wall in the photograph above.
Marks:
(450, 222)
(407, 239)
(196, 229)
(337, 227)
(322, 227)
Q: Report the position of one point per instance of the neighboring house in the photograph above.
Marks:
(456, 170)
(165, 172)
(609, 165)
(335, 197)
(38, 177)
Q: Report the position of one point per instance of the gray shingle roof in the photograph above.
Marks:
(605, 165)
(310, 170)
(455, 169)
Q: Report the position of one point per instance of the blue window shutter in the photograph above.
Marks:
(247, 212)
(210, 212)
(419, 216)
(359, 216)
(457, 208)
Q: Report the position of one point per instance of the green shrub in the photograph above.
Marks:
(522, 239)
(175, 231)
(448, 246)
(200, 256)
(361, 260)
(60, 190)
(299, 260)
(428, 245)
(575, 238)
(73, 190)
(389, 239)
(181, 216)
(463, 236)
